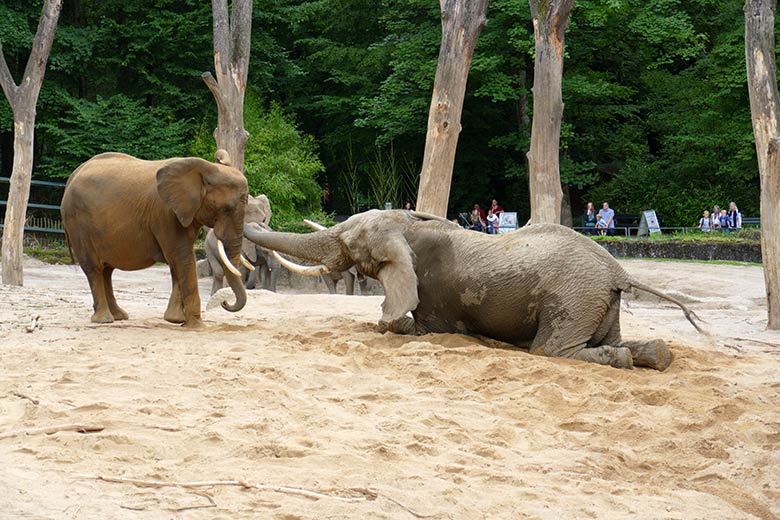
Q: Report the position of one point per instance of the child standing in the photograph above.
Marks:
(492, 220)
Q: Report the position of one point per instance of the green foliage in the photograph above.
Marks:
(114, 124)
(279, 160)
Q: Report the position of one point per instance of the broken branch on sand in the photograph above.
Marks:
(33, 324)
(48, 430)
(23, 396)
(367, 495)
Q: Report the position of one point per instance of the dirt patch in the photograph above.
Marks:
(300, 390)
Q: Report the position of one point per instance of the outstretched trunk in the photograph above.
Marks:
(322, 246)
(550, 18)
(23, 98)
(765, 111)
(461, 23)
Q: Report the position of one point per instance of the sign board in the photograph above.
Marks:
(507, 221)
(649, 223)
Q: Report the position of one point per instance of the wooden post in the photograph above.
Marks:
(23, 98)
(550, 18)
(461, 23)
(765, 112)
(231, 64)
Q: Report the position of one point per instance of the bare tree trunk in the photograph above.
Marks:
(23, 98)
(765, 112)
(231, 64)
(461, 23)
(550, 18)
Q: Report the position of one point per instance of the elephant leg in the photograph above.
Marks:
(349, 282)
(331, 283)
(273, 274)
(651, 353)
(251, 281)
(102, 312)
(175, 311)
(187, 279)
(559, 337)
(116, 311)
(217, 278)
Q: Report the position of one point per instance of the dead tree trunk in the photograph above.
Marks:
(231, 64)
(23, 98)
(765, 112)
(461, 23)
(550, 18)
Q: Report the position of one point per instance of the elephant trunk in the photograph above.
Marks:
(322, 246)
(233, 254)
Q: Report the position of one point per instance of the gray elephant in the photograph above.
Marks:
(267, 267)
(544, 286)
(124, 213)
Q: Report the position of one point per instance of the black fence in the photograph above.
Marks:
(40, 221)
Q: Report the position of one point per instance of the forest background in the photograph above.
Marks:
(656, 104)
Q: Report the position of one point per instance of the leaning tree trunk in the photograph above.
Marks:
(550, 18)
(23, 98)
(461, 23)
(231, 64)
(765, 112)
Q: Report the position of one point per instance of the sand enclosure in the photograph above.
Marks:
(299, 390)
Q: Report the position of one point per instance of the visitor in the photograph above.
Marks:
(735, 216)
(408, 206)
(705, 222)
(601, 225)
(589, 219)
(480, 211)
(608, 215)
(715, 218)
(492, 222)
(725, 223)
(477, 219)
(497, 210)
(327, 199)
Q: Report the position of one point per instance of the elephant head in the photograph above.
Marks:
(201, 193)
(374, 241)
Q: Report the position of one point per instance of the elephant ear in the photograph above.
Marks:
(180, 185)
(392, 262)
(249, 249)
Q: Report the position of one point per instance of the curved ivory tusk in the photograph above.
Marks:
(314, 225)
(247, 264)
(305, 270)
(226, 263)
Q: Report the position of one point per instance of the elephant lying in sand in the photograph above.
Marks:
(120, 212)
(547, 287)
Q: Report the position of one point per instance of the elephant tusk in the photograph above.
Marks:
(223, 256)
(247, 264)
(314, 225)
(305, 270)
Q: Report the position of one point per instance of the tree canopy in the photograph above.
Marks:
(656, 106)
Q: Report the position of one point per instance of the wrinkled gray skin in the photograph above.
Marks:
(257, 213)
(349, 276)
(124, 213)
(544, 286)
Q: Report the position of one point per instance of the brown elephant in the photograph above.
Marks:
(124, 213)
(544, 286)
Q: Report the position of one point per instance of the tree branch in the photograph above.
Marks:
(213, 86)
(44, 36)
(7, 80)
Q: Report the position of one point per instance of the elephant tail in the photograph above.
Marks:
(70, 249)
(689, 314)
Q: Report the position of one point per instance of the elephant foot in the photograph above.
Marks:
(119, 314)
(102, 317)
(653, 354)
(193, 323)
(403, 325)
(618, 357)
(621, 358)
(174, 316)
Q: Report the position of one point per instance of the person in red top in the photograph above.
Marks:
(497, 210)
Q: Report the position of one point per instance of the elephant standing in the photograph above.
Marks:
(544, 286)
(124, 213)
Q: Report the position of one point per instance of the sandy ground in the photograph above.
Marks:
(299, 390)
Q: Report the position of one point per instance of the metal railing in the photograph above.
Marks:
(30, 225)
